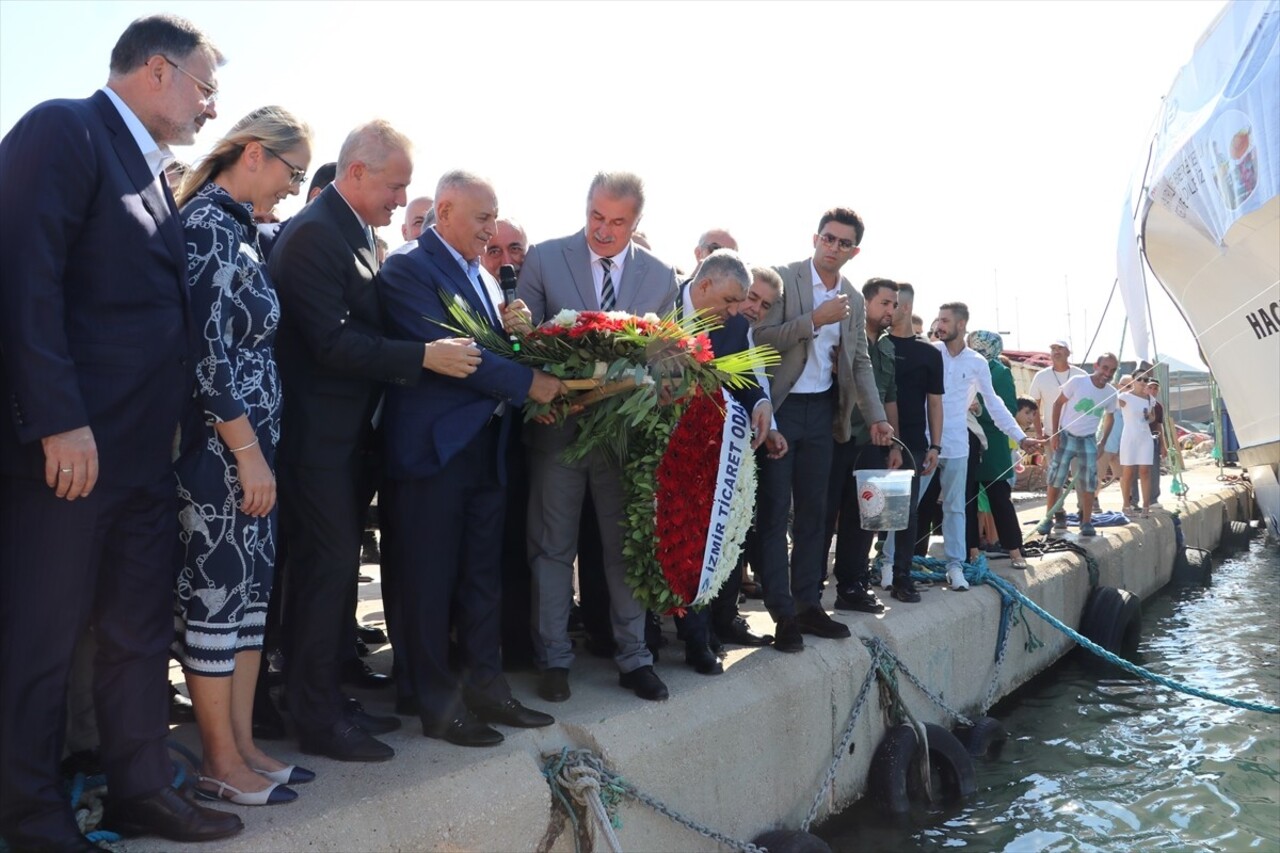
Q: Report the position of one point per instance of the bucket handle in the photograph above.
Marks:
(915, 469)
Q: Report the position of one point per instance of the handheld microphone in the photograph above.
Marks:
(507, 280)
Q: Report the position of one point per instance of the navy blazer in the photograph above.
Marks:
(330, 347)
(426, 425)
(94, 326)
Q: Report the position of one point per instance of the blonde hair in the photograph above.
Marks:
(275, 128)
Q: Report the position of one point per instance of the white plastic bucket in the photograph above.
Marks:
(884, 498)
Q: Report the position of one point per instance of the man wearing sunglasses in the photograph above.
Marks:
(96, 372)
(818, 326)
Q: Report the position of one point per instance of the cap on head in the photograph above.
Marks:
(1060, 342)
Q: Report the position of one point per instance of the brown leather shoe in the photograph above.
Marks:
(170, 814)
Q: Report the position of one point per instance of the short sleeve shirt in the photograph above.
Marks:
(1085, 406)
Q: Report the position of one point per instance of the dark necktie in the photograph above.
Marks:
(608, 300)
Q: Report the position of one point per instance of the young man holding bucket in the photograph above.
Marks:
(853, 545)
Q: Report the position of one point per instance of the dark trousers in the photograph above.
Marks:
(844, 518)
(971, 495)
(324, 509)
(517, 581)
(456, 563)
(929, 516)
(798, 479)
(109, 560)
(593, 589)
(1008, 528)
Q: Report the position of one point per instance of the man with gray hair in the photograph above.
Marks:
(600, 268)
(711, 241)
(507, 246)
(445, 455)
(718, 288)
(334, 357)
(97, 366)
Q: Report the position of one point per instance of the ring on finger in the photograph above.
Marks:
(66, 470)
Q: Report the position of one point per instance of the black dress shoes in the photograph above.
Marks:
(464, 730)
(554, 684)
(346, 742)
(645, 683)
(702, 659)
(372, 724)
(860, 599)
(357, 673)
(512, 713)
(816, 621)
(788, 638)
(905, 590)
(370, 635)
(738, 633)
(169, 814)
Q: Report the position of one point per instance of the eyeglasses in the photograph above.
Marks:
(832, 240)
(207, 90)
(296, 176)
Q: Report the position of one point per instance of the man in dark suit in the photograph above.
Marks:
(718, 288)
(445, 465)
(334, 358)
(98, 368)
(598, 268)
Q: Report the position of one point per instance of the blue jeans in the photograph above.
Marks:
(954, 473)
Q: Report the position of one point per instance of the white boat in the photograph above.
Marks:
(1207, 222)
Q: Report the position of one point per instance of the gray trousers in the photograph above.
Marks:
(556, 491)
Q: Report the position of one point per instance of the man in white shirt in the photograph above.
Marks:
(965, 374)
(1076, 415)
(1046, 385)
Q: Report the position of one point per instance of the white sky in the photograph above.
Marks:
(988, 145)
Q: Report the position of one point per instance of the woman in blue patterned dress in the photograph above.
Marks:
(225, 480)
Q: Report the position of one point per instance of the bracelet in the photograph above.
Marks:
(246, 447)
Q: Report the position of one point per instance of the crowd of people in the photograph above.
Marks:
(205, 402)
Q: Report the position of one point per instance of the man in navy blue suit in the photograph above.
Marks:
(718, 288)
(445, 452)
(97, 372)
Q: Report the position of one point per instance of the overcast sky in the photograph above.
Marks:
(988, 145)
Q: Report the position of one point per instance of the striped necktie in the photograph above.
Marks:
(608, 300)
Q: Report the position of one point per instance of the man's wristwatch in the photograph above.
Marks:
(935, 447)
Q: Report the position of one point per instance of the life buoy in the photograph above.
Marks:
(984, 739)
(1112, 618)
(894, 783)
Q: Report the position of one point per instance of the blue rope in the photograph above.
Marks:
(979, 573)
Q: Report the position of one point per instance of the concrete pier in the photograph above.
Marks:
(742, 752)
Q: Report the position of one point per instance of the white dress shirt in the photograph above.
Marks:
(157, 156)
(817, 374)
(965, 376)
(615, 273)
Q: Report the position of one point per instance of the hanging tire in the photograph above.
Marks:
(984, 739)
(1236, 534)
(791, 841)
(1112, 618)
(894, 782)
(890, 766)
(950, 767)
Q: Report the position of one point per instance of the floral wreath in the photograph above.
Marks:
(652, 396)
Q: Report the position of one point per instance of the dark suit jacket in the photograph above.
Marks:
(428, 424)
(94, 327)
(726, 340)
(332, 354)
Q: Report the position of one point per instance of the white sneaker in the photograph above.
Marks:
(886, 572)
(955, 577)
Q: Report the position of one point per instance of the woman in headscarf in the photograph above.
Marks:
(997, 461)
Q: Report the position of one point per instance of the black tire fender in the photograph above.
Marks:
(1112, 618)
(894, 783)
(951, 768)
(984, 739)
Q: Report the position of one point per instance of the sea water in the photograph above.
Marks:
(1107, 762)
